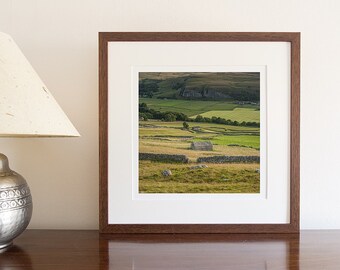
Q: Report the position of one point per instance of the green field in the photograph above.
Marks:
(221, 135)
(208, 126)
(241, 140)
(237, 114)
(171, 138)
(191, 107)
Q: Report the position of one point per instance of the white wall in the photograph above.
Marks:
(60, 40)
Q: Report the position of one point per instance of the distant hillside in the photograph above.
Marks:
(238, 86)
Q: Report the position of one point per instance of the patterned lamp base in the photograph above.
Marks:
(15, 204)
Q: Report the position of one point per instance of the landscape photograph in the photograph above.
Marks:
(199, 132)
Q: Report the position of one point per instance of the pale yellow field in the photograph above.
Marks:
(237, 114)
(183, 148)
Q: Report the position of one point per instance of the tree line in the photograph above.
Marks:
(146, 113)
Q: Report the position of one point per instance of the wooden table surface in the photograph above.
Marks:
(45, 249)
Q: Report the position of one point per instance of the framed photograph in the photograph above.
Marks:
(199, 132)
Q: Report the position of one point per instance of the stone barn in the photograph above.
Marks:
(202, 146)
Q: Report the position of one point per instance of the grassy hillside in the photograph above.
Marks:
(243, 86)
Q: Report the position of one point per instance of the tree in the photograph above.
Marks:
(199, 118)
(169, 117)
(143, 107)
(185, 125)
(143, 117)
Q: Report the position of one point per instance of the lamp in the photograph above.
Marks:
(27, 109)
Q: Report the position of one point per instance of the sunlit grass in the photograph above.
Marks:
(237, 114)
(242, 140)
(217, 178)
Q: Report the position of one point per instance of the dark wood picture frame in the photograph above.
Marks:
(293, 39)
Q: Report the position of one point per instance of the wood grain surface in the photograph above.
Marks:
(293, 39)
(54, 250)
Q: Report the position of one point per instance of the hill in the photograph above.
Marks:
(232, 86)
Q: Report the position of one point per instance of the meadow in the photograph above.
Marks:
(217, 178)
(193, 108)
(171, 138)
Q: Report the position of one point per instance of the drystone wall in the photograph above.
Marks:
(163, 157)
(229, 159)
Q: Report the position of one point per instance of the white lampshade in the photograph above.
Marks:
(27, 108)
